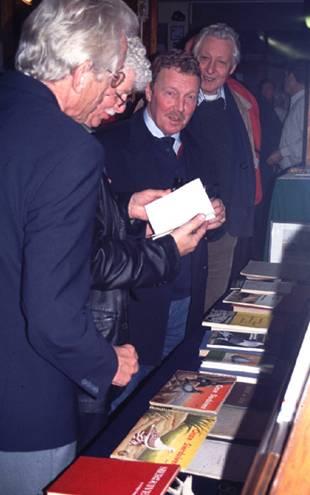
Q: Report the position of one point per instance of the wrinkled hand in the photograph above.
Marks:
(274, 158)
(188, 235)
(139, 199)
(127, 364)
(220, 214)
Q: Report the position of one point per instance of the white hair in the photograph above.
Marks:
(221, 31)
(59, 35)
(137, 61)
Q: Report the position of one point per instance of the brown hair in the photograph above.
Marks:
(175, 59)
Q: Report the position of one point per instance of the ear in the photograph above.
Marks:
(148, 92)
(80, 75)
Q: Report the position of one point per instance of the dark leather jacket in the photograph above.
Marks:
(123, 260)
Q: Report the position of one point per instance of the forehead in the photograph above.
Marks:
(217, 47)
(180, 81)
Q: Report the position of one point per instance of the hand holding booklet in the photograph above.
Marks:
(178, 207)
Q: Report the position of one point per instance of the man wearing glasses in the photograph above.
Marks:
(151, 150)
(69, 54)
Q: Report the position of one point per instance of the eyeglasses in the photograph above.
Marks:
(122, 99)
(117, 78)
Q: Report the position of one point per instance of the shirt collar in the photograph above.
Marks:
(156, 132)
(205, 97)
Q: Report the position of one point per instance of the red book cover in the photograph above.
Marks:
(105, 476)
(194, 392)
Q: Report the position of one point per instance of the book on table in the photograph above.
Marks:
(98, 476)
(236, 362)
(165, 436)
(221, 319)
(265, 270)
(194, 392)
(261, 270)
(222, 460)
(233, 341)
(252, 302)
(238, 414)
(266, 287)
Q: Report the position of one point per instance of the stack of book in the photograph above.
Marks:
(181, 427)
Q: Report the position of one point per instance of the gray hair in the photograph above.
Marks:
(59, 35)
(137, 61)
(221, 31)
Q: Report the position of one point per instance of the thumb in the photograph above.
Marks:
(194, 223)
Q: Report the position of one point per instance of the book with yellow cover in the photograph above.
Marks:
(221, 319)
(165, 436)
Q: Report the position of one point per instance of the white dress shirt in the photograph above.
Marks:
(156, 132)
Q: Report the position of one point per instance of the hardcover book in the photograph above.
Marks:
(235, 362)
(253, 301)
(219, 319)
(194, 392)
(233, 341)
(98, 476)
(165, 436)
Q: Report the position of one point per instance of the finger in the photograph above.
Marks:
(194, 223)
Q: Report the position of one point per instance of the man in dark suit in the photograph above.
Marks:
(69, 54)
(137, 158)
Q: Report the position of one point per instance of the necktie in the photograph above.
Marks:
(168, 143)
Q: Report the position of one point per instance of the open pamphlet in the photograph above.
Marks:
(178, 207)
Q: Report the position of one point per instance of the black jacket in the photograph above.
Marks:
(135, 161)
(121, 263)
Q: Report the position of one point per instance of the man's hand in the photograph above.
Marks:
(220, 214)
(188, 235)
(274, 158)
(139, 199)
(127, 364)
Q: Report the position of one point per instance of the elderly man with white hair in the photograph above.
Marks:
(70, 53)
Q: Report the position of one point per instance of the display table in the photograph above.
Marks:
(285, 334)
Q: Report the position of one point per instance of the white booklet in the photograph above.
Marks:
(178, 207)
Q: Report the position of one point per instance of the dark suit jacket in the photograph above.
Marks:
(49, 168)
(135, 160)
(225, 149)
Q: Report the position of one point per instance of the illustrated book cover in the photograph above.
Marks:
(98, 476)
(220, 319)
(255, 301)
(235, 362)
(234, 341)
(194, 392)
(165, 436)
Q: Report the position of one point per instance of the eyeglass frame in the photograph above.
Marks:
(123, 100)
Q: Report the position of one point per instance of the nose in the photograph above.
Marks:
(180, 104)
(210, 66)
